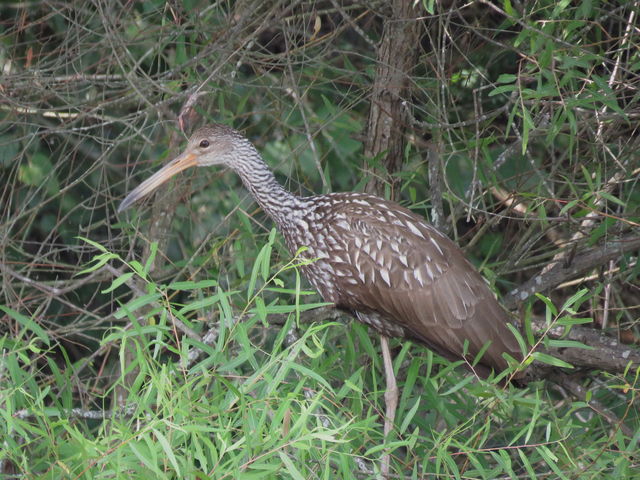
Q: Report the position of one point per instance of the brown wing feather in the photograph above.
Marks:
(391, 263)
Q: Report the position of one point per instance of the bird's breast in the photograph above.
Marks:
(324, 255)
(358, 245)
(318, 265)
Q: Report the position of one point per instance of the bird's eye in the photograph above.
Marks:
(204, 143)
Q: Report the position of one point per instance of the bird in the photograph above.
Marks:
(379, 261)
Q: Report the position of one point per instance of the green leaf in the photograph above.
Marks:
(507, 78)
(266, 259)
(27, 323)
(409, 416)
(429, 6)
(528, 329)
(570, 321)
(612, 199)
(518, 336)
(291, 468)
(527, 126)
(502, 89)
(166, 447)
(574, 301)
(200, 304)
(549, 360)
(459, 385)
(145, 455)
(93, 244)
(118, 281)
(261, 265)
(191, 285)
(153, 250)
(135, 304)
(261, 309)
(568, 344)
(138, 268)
(569, 206)
(37, 171)
(587, 177)
(550, 306)
(306, 372)
(551, 460)
(99, 261)
(481, 352)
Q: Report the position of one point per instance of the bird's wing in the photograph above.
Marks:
(399, 265)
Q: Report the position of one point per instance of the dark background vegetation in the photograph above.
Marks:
(518, 124)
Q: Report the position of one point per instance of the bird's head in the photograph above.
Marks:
(211, 145)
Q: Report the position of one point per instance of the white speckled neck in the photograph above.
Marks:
(277, 202)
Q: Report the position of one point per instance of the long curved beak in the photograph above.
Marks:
(178, 164)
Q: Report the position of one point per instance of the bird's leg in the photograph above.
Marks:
(390, 398)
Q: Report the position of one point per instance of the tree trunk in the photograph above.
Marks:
(387, 123)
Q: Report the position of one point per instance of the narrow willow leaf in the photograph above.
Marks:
(568, 321)
(143, 452)
(506, 78)
(279, 309)
(528, 329)
(612, 199)
(138, 268)
(118, 281)
(587, 177)
(502, 89)
(266, 260)
(27, 323)
(290, 291)
(527, 126)
(550, 306)
(93, 244)
(574, 301)
(135, 304)
(153, 250)
(568, 206)
(569, 344)
(200, 304)
(481, 352)
(261, 309)
(459, 385)
(549, 360)
(310, 373)
(99, 260)
(518, 336)
(409, 416)
(535, 415)
(191, 285)
(291, 468)
(257, 269)
(166, 447)
(551, 460)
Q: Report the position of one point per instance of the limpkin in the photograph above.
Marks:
(380, 261)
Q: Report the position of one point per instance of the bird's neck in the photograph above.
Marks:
(276, 202)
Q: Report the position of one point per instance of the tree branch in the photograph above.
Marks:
(557, 273)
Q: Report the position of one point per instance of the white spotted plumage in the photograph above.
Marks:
(375, 258)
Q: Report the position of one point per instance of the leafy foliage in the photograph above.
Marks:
(195, 357)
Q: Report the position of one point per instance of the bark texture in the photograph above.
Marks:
(397, 54)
